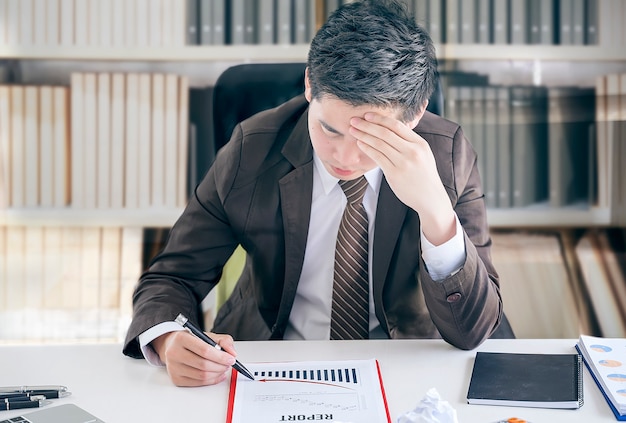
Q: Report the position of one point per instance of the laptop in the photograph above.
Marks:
(66, 413)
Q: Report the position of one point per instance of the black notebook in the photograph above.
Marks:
(527, 380)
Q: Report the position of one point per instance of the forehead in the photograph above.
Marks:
(331, 108)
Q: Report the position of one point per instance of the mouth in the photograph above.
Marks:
(342, 172)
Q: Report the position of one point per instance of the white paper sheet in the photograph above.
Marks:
(330, 391)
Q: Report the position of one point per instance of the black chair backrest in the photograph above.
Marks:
(243, 90)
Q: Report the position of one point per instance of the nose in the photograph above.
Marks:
(347, 153)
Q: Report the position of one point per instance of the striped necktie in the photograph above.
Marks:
(350, 305)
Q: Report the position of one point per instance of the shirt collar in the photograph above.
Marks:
(329, 182)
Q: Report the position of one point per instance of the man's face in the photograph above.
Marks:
(329, 124)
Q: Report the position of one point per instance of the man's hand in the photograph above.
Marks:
(410, 169)
(192, 362)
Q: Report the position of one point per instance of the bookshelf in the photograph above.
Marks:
(201, 64)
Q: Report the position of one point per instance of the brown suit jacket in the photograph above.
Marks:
(258, 194)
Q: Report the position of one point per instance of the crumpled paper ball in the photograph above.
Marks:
(431, 409)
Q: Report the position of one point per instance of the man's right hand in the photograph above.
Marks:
(192, 362)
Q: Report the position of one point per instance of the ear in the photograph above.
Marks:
(413, 122)
(307, 85)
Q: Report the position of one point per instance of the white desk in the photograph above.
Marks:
(120, 389)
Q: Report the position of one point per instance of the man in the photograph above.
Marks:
(274, 190)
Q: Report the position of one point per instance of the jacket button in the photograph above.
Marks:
(453, 298)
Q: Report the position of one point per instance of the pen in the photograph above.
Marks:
(184, 322)
(25, 388)
(23, 398)
(22, 404)
(47, 394)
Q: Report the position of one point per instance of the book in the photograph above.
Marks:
(131, 142)
(490, 158)
(191, 21)
(283, 22)
(578, 22)
(66, 23)
(346, 390)
(435, 20)
(31, 145)
(130, 28)
(16, 147)
(144, 101)
(535, 20)
(219, 13)
(518, 22)
(529, 144)
(527, 380)
(452, 32)
(62, 149)
(300, 22)
(46, 147)
(483, 22)
(5, 152)
(591, 22)
(237, 22)
(604, 357)
(105, 17)
(52, 270)
(117, 141)
(546, 17)
(90, 143)
(117, 24)
(598, 283)
(467, 22)
(265, 22)
(503, 130)
(170, 142)
(156, 175)
(103, 141)
(570, 116)
(183, 141)
(565, 22)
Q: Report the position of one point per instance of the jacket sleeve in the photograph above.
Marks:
(466, 306)
(190, 265)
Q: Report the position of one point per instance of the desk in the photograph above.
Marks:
(120, 389)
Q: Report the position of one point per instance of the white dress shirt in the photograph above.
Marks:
(310, 314)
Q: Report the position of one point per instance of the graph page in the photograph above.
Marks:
(340, 391)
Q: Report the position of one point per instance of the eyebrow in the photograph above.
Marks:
(329, 128)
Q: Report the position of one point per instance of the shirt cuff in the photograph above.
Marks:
(150, 335)
(446, 259)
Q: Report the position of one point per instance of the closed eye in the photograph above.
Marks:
(329, 130)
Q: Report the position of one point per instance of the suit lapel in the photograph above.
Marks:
(296, 190)
(390, 216)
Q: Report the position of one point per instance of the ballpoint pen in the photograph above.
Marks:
(184, 322)
(46, 394)
(22, 404)
(22, 398)
(33, 388)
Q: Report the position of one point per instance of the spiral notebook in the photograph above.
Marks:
(527, 380)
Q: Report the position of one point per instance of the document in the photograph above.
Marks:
(339, 391)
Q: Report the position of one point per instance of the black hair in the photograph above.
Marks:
(372, 52)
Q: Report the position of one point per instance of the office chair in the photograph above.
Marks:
(243, 90)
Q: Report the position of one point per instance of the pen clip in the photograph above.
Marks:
(27, 388)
